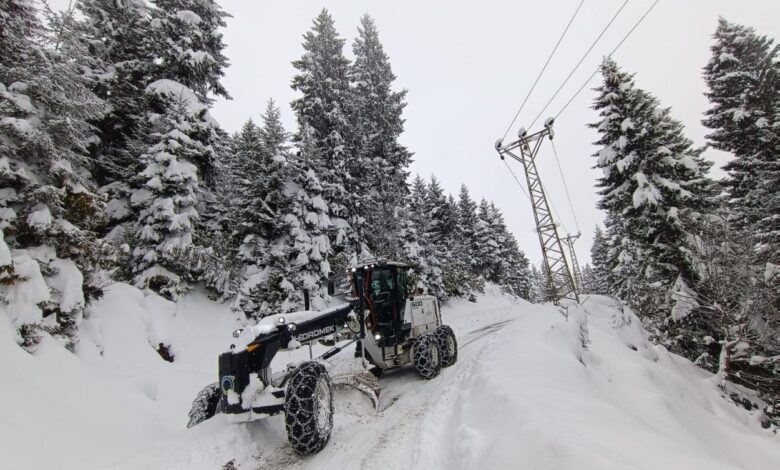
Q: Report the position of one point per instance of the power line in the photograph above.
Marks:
(565, 186)
(585, 83)
(598, 38)
(543, 69)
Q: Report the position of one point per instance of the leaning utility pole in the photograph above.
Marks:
(559, 277)
(569, 241)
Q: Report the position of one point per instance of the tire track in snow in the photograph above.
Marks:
(431, 450)
(393, 436)
(412, 419)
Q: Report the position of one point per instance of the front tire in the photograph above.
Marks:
(426, 356)
(448, 345)
(308, 408)
(205, 405)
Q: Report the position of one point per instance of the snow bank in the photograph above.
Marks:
(533, 401)
(116, 395)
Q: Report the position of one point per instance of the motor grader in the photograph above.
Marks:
(389, 325)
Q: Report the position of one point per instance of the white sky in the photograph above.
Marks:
(468, 65)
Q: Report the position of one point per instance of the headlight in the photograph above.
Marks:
(237, 333)
(377, 336)
(291, 327)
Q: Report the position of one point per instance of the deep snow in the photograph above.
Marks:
(524, 394)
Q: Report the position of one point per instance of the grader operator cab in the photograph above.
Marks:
(395, 318)
(390, 327)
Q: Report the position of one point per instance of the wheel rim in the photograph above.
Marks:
(450, 345)
(434, 355)
(322, 400)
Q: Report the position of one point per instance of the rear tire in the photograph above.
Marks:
(205, 405)
(426, 356)
(308, 408)
(448, 345)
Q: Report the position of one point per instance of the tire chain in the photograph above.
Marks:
(448, 357)
(204, 406)
(423, 356)
(301, 409)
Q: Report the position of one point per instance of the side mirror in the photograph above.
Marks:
(331, 288)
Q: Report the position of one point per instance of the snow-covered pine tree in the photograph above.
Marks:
(382, 162)
(309, 222)
(458, 279)
(540, 285)
(220, 274)
(323, 110)
(248, 210)
(744, 301)
(467, 247)
(600, 272)
(118, 65)
(431, 268)
(410, 247)
(165, 256)
(247, 205)
(743, 79)
(189, 45)
(512, 271)
(488, 244)
(654, 186)
(48, 208)
(269, 284)
(188, 49)
(588, 280)
(437, 217)
(416, 247)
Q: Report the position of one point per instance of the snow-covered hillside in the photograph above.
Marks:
(524, 394)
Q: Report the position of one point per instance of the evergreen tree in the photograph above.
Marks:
(323, 110)
(589, 283)
(431, 267)
(268, 287)
(381, 163)
(436, 217)
(48, 208)
(488, 244)
(165, 257)
(516, 278)
(654, 187)
(511, 271)
(309, 222)
(540, 285)
(118, 65)
(599, 274)
(410, 248)
(188, 45)
(417, 250)
(458, 280)
(215, 230)
(249, 190)
(468, 229)
(743, 77)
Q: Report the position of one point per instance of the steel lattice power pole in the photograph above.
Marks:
(524, 150)
(575, 265)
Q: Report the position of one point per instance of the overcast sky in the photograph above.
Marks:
(468, 65)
